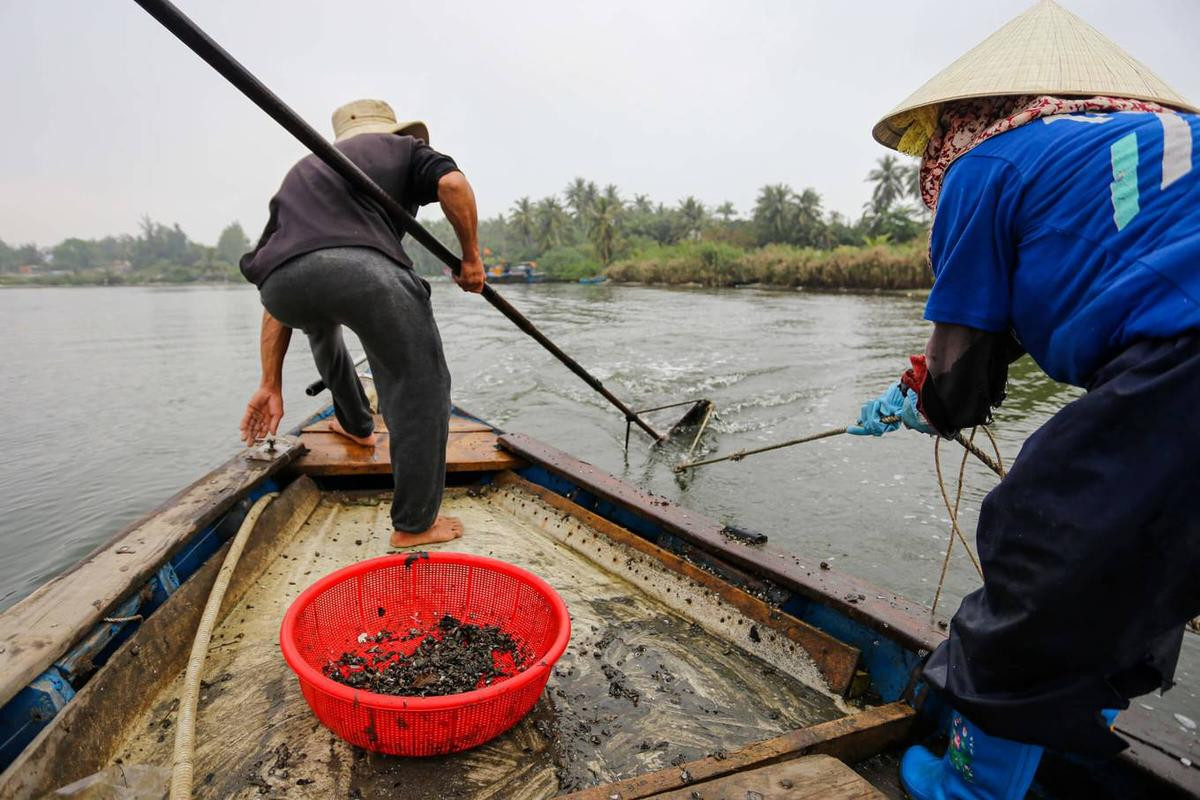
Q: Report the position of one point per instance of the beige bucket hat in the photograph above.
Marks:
(373, 116)
(1046, 50)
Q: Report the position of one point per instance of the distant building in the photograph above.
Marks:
(25, 269)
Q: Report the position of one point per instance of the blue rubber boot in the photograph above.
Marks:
(976, 767)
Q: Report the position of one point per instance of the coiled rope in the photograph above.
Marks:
(952, 509)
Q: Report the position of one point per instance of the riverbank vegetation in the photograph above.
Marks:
(158, 254)
(787, 239)
(857, 267)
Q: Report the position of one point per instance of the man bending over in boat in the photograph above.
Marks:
(1068, 227)
(329, 258)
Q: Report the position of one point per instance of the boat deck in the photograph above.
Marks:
(643, 685)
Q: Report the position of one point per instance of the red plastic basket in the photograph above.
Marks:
(399, 592)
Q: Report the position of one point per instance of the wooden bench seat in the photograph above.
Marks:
(472, 447)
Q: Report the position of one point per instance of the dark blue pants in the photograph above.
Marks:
(1091, 558)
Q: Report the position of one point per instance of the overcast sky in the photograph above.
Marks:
(107, 117)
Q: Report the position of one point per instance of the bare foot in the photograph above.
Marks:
(444, 529)
(365, 441)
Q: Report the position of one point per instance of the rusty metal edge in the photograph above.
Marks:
(836, 660)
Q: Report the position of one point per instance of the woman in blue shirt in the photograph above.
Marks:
(1067, 225)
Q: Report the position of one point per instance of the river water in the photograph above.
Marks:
(118, 397)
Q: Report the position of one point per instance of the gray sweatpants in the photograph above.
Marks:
(388, 307)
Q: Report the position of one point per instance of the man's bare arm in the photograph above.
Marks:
(458, 204)
(273, 346)
(265, 409)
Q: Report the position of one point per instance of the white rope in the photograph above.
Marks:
(182, 764)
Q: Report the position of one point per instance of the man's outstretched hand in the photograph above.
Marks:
(263, 414)
(471, 276)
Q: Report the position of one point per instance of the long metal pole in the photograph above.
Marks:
(215, 56)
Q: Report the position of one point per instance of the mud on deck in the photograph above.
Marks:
(640, 687)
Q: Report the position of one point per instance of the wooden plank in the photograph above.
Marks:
(808, 778)
(852, 738)
(83, 738)
(457, 425)
(332, 454)
(478, 452)
(836, 660)
(893, 616)
(466, 451)
(40, 628)
(463, 425)
(1160, 729)
(1164, 776)
(1159, 750)
(325, 425)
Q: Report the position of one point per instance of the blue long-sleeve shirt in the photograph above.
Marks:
(1079, 233)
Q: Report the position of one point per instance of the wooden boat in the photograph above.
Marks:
(702, 664)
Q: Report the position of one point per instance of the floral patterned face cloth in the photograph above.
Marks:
(963, 124)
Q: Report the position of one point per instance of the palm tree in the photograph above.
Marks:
(889, 181)
(725, 211)
(604, 228)
(551, 223)
(581, 195)
(522, 218)
(613, 195)
(912, 189)
(692, 215)
(912, 180)
(642, 204)
(774, 213)
(810, 228)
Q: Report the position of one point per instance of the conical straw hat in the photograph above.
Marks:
(372, 116)
(1046, 50)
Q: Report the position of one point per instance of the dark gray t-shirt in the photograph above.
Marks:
(315, 208)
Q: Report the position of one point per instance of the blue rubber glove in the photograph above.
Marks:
(888, 404)
(911, 417)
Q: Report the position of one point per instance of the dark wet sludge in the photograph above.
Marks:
(451, 658)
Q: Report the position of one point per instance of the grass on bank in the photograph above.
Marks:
(159, 272)
(710, 264)
(880, 266)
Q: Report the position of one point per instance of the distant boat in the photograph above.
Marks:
(594, 280)
(525, 272)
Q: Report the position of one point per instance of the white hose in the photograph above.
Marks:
(182, 765)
